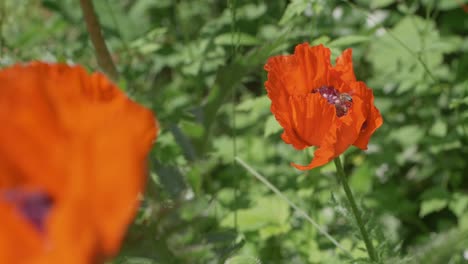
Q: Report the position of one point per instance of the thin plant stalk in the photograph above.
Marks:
(357, 214)
(103, 56)
(293, 205)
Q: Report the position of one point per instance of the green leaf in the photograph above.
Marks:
(321, 40)
(243, 260)
(361, 179)
(269, 216)
(349, 40)
(431, 206)
(459, 204)
(443, 247)
(183, 141)
(227, 78)
(407, 135)
(296, 7)
(252, 11)
(446, 4)
(435, 192)
(254, 104)
(223, 148)
(439, 129)
(455, 103)
(402, 56)
(380, 3)
(140, 248)
(445, 146)
(192, 129)
(374, 4)
(137, 260)
(271, 126)
(171, 178)
(434, 199)
(236, 39)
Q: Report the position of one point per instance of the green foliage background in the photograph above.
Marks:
(198, 65)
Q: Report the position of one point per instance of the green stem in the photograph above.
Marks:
(103, 56)
(365, 236)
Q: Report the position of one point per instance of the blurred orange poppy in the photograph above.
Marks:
(319, 104)
(73, 152)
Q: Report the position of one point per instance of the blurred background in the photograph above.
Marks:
(199, 66)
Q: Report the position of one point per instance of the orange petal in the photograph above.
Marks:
(83, 141)
(313, 67)
(294, 76)
(340, 136)
(311, 118)
(374, 119)
(373, 122)
(18, 241)
(324, 153)
(300, 73)
(280, 70)
(344, 66)
(279, 88)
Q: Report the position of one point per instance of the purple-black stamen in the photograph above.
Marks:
(34, 206)
(341, 101)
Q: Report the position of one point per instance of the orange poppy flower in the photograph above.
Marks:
(73, 152)
(319, 104)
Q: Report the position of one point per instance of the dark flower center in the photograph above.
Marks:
(341, 101)
(364, 126)
(33, 206)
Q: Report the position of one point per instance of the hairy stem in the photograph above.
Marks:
(102, 53)
(357, 215)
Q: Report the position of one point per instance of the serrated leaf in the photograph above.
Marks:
(395, 65)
